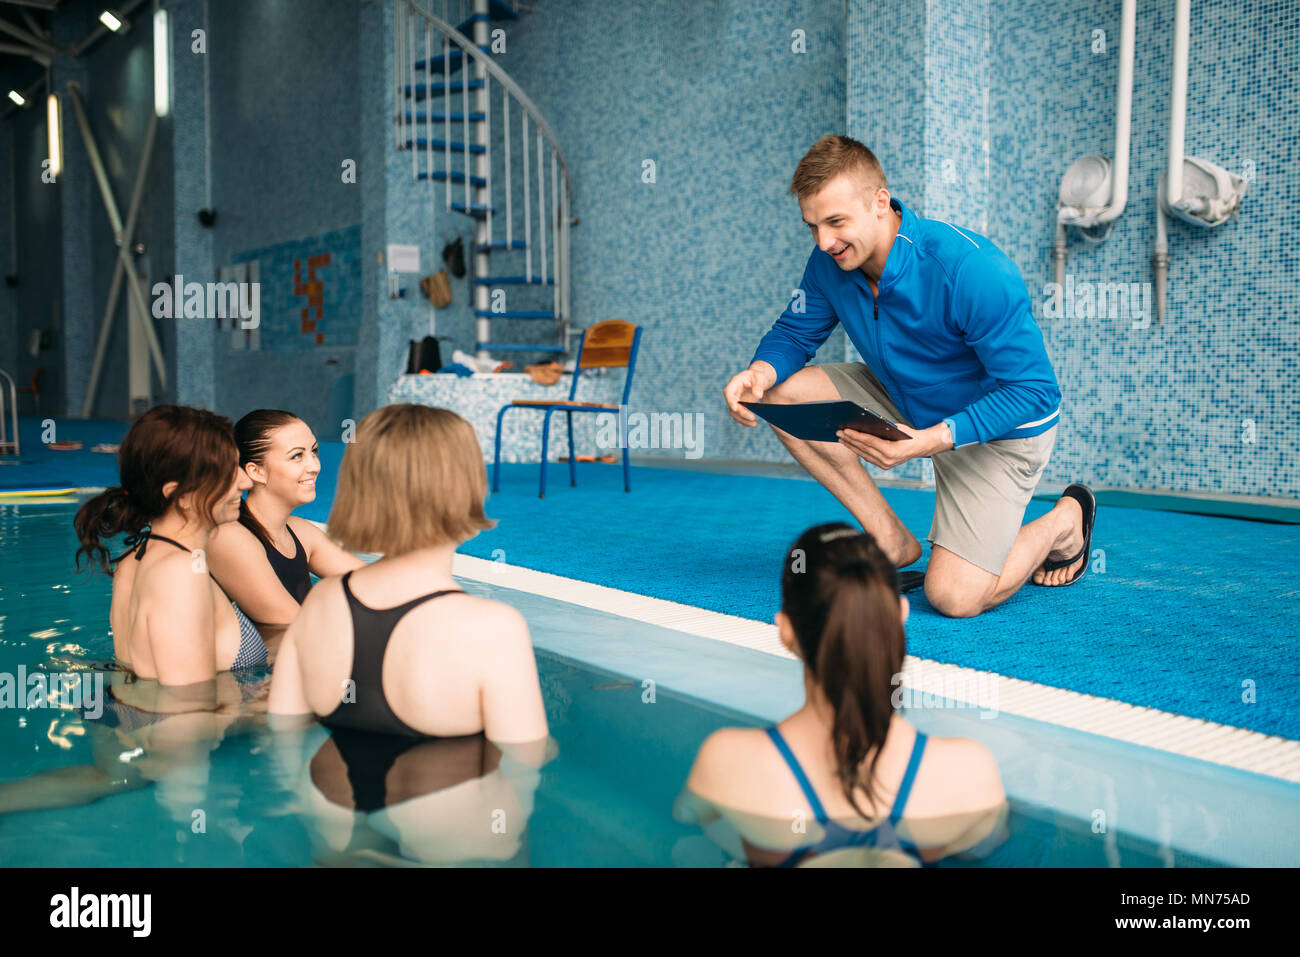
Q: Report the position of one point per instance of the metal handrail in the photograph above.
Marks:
(488, 70)
(502, 77)
(13, 415)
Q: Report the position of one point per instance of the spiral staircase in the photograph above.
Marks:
(487, 153)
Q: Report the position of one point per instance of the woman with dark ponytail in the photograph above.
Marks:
(179, 481)
(845, 779)
(266, 560)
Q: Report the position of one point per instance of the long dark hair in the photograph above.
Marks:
(840, 593)
(170, 443)
(253, 437)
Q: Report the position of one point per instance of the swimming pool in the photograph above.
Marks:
(245, 795)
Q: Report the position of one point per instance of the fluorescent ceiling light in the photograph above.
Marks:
(17, 98)
(110, 21)
(53, 132)
(162, 96)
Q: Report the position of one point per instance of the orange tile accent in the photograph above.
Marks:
(325, 259)
(320, 312)
(320, 338)
(315, 288)
(299, 289)
(304, 315)
(315, 300)
(309, 325)
(297, 264)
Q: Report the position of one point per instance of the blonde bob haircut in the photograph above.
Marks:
(413, 478)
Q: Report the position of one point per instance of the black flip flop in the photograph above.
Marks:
(910, 580)
(1088, 503)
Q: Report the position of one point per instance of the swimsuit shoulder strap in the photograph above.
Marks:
(909, 778)
(797, 770)
(144, 543)
(298, 549)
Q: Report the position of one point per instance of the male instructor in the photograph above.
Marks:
(952, 355)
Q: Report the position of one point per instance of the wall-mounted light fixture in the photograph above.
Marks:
(54, 134)
(18, 98)
(109, 20)
(162, 93)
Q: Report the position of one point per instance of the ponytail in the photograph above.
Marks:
(193, 448)
(856, 664)
(107, 515)
(250, 522)
(840, 592)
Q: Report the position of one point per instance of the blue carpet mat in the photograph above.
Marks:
(40, 467)
(1192, 614)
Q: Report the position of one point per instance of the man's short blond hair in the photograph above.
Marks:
(413, 478)
(833, 156)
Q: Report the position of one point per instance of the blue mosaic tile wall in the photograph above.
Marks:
(293, 276)
(196, 345)
(278, 154)
(705, 257)
(1204, 402)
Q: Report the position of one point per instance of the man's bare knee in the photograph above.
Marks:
(952, 601)
(809, 384)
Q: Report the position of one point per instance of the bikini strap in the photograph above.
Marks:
(909, 777)
(144, 542)
(797, 770)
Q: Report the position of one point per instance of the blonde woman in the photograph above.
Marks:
(396, 647)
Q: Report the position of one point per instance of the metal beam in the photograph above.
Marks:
(110, 206)
(128, 236)
(47, 5)
(36, 55)
(32, 25)
(29, 38)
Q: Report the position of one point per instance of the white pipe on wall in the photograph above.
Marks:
(1178, 102)
(1123, 113)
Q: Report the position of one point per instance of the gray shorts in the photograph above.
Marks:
(981, 490)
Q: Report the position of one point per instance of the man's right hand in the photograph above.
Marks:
(748, 386)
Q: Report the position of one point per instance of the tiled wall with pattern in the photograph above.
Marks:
(1206, 400)
(725, 98)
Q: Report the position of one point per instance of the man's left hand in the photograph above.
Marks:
(885, 454)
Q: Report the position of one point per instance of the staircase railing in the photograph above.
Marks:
(430, 56)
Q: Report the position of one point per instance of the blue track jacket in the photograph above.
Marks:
(951, 334)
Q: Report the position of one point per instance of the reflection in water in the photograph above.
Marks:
(148, 733)
(801, 840)
(371, 798)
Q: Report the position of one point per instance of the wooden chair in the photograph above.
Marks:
(611, 344)
(34, 390)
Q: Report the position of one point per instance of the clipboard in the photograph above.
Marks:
(819, 421)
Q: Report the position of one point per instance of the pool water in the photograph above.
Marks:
(237, 793)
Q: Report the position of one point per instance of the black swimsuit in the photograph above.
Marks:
(252, 649)
(371, 630)
(292, 572)
(438, 764)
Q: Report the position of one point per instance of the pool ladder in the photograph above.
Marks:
(9, 446)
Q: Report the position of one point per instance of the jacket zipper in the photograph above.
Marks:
(880, 348)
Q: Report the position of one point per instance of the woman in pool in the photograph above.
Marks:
(395, 647)
(263, 561)
(180, 480)
(844, 780)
